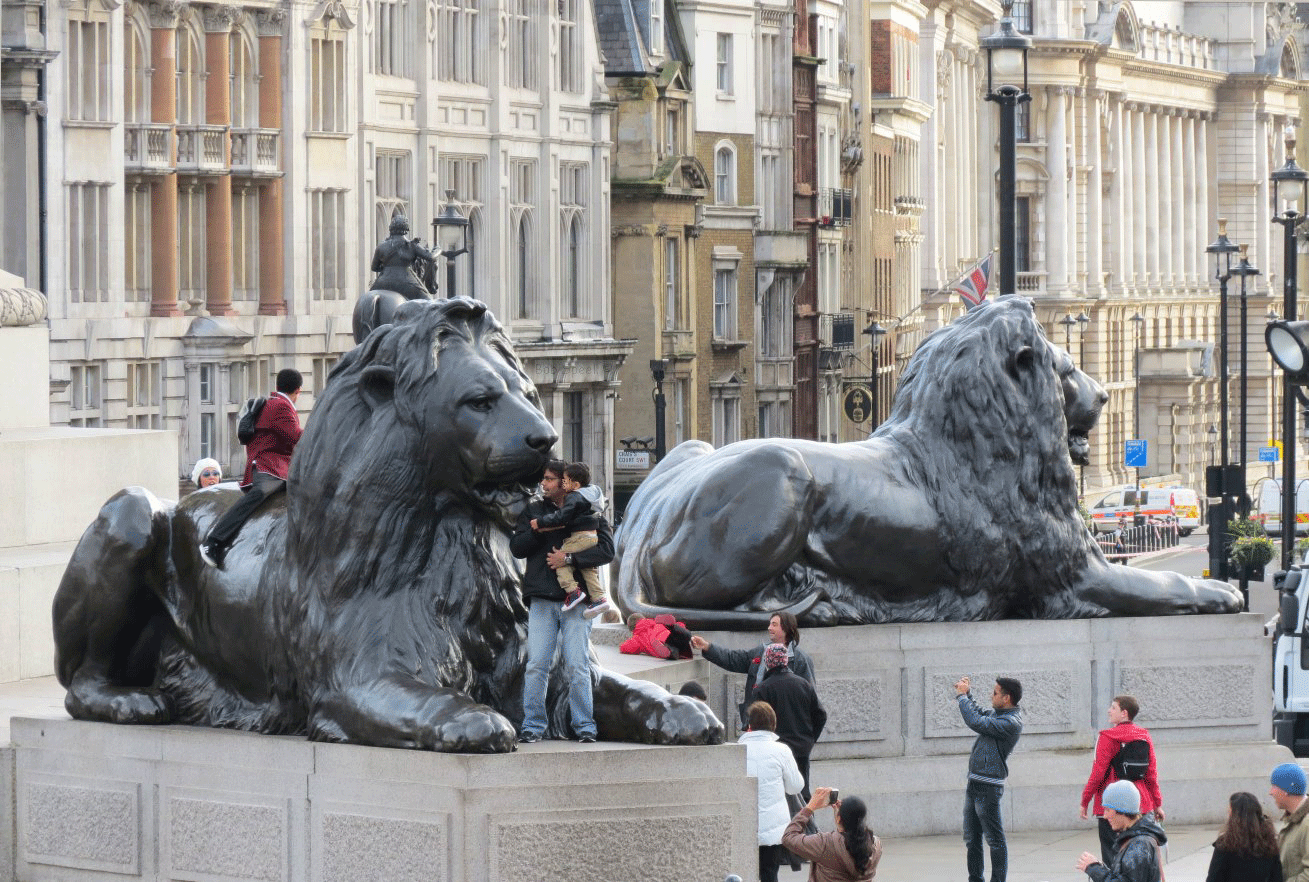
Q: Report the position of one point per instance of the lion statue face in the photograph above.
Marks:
(1084, 398)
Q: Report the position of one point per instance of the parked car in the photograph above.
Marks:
(1120, 506)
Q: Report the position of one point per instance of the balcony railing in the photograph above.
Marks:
(149, 147)
(835, 207)
(1030, 281)
(201, 149)
(255, 151)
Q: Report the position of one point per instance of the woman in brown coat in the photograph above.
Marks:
(850, 854)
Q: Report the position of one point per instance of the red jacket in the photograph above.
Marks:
(650, 636)
(1102, 774)
(276, 432)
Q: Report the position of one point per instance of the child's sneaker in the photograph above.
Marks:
(576, 596)
(596, 607)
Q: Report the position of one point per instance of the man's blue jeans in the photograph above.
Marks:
(982, 820)
(546, 624)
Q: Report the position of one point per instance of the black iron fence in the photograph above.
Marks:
(1128, 542)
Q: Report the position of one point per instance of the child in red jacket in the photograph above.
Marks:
(662, 637)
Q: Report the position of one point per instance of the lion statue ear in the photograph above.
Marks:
(377, 385)
(1022, 359)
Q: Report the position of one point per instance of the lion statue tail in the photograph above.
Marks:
(629, 601)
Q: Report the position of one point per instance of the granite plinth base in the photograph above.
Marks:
(101, 802)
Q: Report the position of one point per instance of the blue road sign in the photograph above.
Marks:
(1134, 454)
(1268, 454)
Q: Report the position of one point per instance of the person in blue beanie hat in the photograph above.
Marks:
(1287, 791)
(1136, 856)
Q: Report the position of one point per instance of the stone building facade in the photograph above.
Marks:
(216, 176)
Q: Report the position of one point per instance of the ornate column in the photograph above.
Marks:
(1203, 201)
(1182, 248)
(1056, 197)
(1153, 182)
(1095, 100)
(272, 300)
(218, 198)
(163, 192)
(1163, 232)
(1122, 256)
(1192, 237)
(1139, 212)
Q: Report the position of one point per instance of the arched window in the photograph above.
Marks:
(572, 267)
(243, 72)
(522, 262)
(725, 175)
(136, 71)
(190, 75)
(1288, 67)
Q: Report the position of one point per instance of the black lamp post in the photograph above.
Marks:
(1290, 192)
(450, 229)
(875, 333)
(1244, 270)
(1222, 249)
(1006, 63)
(658, 367)
(1138, 320)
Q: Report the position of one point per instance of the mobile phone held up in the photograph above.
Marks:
(834, 797)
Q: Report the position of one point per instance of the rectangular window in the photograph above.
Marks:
(726, 416)
(392, 38)
(570, 50)
(88, 61)
(572, 445)
(673, 128)
(245, 243)
(1023, 122)
(522, 198)
(144, 395)
(327, 246)
(459, 36)
(672, 283)
(724, 304)
(1022, 16)
(85, 395)
(88, 237)
(392, 183)
(206, 384)
(681, 399)
(322, 370)
(137, 255)
(724, 69)
(522, 45)
(656, 27)
(326, 78)
(191, 237)
(775, 321)
(1023, 234)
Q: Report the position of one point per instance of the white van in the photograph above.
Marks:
(1266, 505)
(1181, 503)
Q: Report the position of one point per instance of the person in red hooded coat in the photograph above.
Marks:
(662, 637)
(1122, 730)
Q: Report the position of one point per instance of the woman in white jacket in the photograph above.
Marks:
(771, 763)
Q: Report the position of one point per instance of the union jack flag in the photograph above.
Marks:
(974, 284)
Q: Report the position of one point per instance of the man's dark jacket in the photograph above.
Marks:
(539, 580)
(800, 715)
(1136, 855)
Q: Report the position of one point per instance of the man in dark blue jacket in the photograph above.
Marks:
(997, 733)
(549, 627)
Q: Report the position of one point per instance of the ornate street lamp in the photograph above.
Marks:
(450, 230)
(1244, 270)
(1222, 250)
(1290, 194)
(1006, 64)
(875, 333)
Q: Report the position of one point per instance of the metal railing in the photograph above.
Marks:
(1124, 544)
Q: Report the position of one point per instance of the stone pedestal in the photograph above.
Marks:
(103, 802)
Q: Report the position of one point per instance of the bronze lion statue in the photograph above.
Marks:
(376, 601)
(962, 506)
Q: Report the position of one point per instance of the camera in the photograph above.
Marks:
(834, 797)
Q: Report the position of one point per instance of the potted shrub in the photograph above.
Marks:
(1250, 548)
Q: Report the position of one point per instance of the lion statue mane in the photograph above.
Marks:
(376, 601)
(962, 506)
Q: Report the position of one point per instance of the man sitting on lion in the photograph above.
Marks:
(962, 506)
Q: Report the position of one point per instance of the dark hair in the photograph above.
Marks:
(693, 689)
(790, 626)
(556, 467)
(1248, 830)
(854, 814)
(1129, 704)
(289, 380)
(761, 717)
(579, 472)
(1011, 687)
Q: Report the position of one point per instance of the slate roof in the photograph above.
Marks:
(623, 29)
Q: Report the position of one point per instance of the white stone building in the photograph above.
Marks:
(211, 180)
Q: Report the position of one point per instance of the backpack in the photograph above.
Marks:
(245, 427)
(1132, 760)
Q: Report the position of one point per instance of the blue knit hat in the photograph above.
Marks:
(1289, 777)
(1122, 796)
